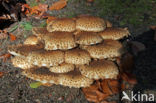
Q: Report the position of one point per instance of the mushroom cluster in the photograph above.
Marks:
(71, 52)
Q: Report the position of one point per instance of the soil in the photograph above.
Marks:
(15, 88)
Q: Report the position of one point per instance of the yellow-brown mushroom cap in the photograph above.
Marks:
(41, 74)
(21, 63)
(62, 24)
(77, 56)
(74, 79)
(46, 58)
(59, 40)
(23, 50)
(88, 38)
(102, 69)
(114, 33)
(107, 49)
(62, 68)
(31, 40)
(90, 23)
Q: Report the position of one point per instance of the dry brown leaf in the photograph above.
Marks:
(101, 96)
(40, 9)
(58, 5)
(153, 27)
(50, 18)
(12, 37)
(5, 56)
(1, 74)
(105, 87)
(90, 1)
(129, 78)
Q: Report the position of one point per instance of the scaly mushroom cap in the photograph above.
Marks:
(46, 58)
(41, 74)
(62, 68)
(74, 79)
(31, 40)
(90, 23)
(108, 49)
(59, 40)
(23, 50)
(102, 69)
(40, 32)
(62, 24)
(88, 38)
(114, 33)
(77, 56)
(21, 63)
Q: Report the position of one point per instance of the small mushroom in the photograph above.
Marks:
(62, 68)
(108, 24)
(21, 63)
(101, 69)
(90, 23)
(31, 40)
(74, 79)
(62, 24)
(107, 49)
(23, 50)
(41, 74)
(46, 58)
(77, 56)
(114, 33)
(88, 38)
(59, 40)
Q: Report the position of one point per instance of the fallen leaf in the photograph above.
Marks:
(5, 56)
(50, 18)
(12, 37)
(35, 84)
(105, 87)
(1, 74)
(58, 5)
(153, 27)
(129, 78)
(41, 8)
(90, 1)
(137, 47)
(101, 96)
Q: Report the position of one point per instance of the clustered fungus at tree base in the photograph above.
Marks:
(71, 52)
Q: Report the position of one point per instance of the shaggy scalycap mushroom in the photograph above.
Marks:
(62, 68)
(114, 33)
(77, 56)
(90, 23)
(101, 69)
(21, 63)
(88, 38)
(62, 24)
(59, 40)
(46, 58)
(31, 40)
(108, 49)
(74, 79)
(41, 74)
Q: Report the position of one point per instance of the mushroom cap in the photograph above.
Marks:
(108, 49)
(62, 24)
(74, 79)
(101, 69)
(21, 63)
(23, 50)
(62, 68)
(90, 23)
(88, 38)
(41, 74)
(59, 40)
(46, 58)
(31, 40)
(108, 24)
(114, 33)
(77, 56)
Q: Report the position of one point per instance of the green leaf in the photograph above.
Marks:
(27, 25)
(35, 84)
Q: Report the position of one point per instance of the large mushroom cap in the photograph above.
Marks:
(21, 63)
(114, 33)
(62, 68)
(41, 74)
(62, 24)
(88, 38)
(59, 40)
(31, 40)
(102, 69)
(90, 23)
(23, 50)
(77, 56)
(108, 49)
(74, 79)
(46, 58)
